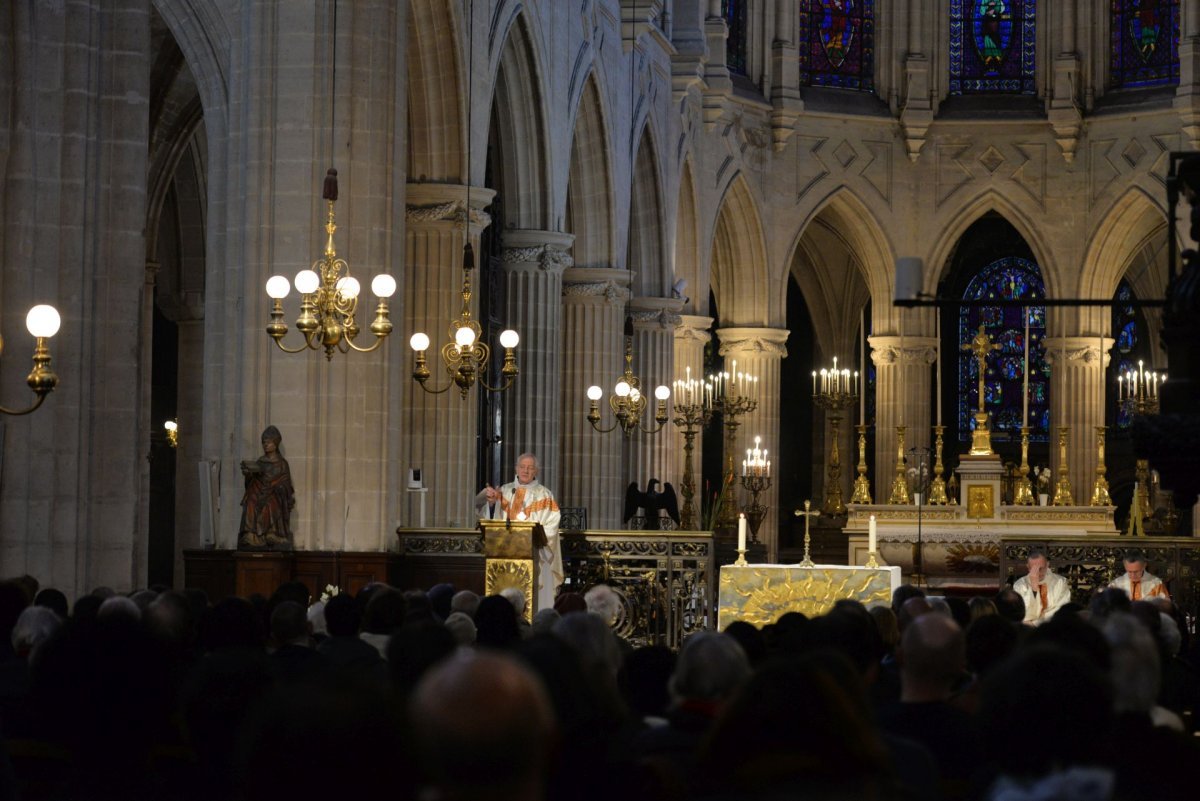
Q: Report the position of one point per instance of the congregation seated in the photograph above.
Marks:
(178, 699)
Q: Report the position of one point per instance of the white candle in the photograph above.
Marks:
(741, 532)
(1025, 370)
(768, 468)
(871, 534)
(938, 375)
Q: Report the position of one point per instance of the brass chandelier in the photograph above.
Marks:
(42, 322)
(627, 402)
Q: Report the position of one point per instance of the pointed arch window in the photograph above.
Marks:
(1144, 43)
(735, 13)
(837, 44)
(993, 47)
(1009, 278)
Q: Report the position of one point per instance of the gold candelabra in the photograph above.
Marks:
(731, 394)
(862, 486)
(899, 494)
(838, 389)
(43, 323)
(329, 297)
(627, 401)
(1062, 490)
(756, 479)
(1100, 496)
(1137, 390)
(1023, 493)
(937, 487)
(691, 417)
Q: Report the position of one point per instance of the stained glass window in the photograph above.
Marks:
(734, 12)
(1127, 349)
(993, 46)
(837, 43)
(1144, 43)
(1009, 278)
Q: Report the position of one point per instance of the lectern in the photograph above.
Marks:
(511, 560)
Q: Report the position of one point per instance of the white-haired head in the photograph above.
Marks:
(602, 601)
(34, 626)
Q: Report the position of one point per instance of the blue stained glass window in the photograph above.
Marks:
(993, 46)
(1127, 339)
(1144, 43)
(1007, 278)
(736, 41)
(837, 44)
(1126, 352)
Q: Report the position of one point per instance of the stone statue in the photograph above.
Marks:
(267, 504)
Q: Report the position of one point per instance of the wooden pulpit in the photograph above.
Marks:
(510, 558)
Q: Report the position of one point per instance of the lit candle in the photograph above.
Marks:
(938, 375)
(871, 534)
(1025, 370)
(1120, 389)
(744, 464)
(768, 468)
(742, 532)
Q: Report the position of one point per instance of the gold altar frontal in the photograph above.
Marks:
(761, 594)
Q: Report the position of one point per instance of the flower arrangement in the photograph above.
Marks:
(1043, 476)
(330, 591)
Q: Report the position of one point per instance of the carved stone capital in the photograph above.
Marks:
(446, 204)
(695, 328)
(768, 341)
(655, 312)
(887, 350)
(454, 211)
(1087, 352)
(596, 282)
(542, 250)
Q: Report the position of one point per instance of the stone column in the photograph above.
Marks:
(534, 263)
(593, 317)
(1077, 401)
(654, 323)
(758, 352)
(902, 392)
(691, 337)
(438, 431)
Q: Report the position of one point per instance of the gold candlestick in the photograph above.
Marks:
(862, 487)
(899, 494)
(1023, 496)
(741, 558)
(1062, 490)
(731, 407)
(1100, 496)
(937, 487)
(837, 392)
(692, 419)
(833, 488)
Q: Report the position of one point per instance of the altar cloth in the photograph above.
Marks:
(761, 594)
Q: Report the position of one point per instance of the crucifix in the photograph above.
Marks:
(807, 514)
(980, 346)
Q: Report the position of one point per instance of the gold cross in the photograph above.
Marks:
(980, 346)
(806, 514)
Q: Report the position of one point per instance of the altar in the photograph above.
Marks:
(761, 594)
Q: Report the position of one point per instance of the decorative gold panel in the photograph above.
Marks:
(981, 502)
(500, 574)
(761, 594)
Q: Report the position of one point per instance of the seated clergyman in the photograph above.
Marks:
(1043, 592)
(1136, 582)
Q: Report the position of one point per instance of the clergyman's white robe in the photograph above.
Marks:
(536, 503)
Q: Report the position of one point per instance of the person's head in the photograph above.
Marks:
(119, 606)
(527, 468)
(516, 597)
(170, 617)
(711, 667)
(604, 602)
(486, 724)
(544, 620)
(567, 602)
(981, 607)
(34, 626)
(913, 608)
(496, 623)
(1108, 601)
(750, 637)
(1135, 663)
(466, 602)
(440, 598)
(903, 593)
(932, 656)
(1010, 605)
(989, 641)
(1135, 564)
(341, 616)
(289, 624)
(1038, 564)
(887, 626)
(54, 600)
(385, 611)
(462, 627)
(593, 640)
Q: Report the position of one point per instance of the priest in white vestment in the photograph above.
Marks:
(527, 499)
(1136, 582)
(1043, 592)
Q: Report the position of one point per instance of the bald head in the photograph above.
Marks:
(484, 724)
(912, 609)
(932, 656)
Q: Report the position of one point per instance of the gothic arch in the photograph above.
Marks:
(646, 235)
(739, 260)
(1132, 232)
(517, 113)
(199, 30)
(851, 260)
(689, 265)
(937, 258)
(589, 184)
(436, 100)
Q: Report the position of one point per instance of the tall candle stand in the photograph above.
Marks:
(1062, 490)
(755, 483)
(730, 407)
(836, 392)
(1023, 494)
(899, 494)
(691, 419)
(1100, 496)
(937, 487)
(862, 486)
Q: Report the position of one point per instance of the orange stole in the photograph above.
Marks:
(1042, 596)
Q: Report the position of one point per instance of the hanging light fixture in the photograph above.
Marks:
(465, 357)
(627, 401)
(42, 322)
(328, 292)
